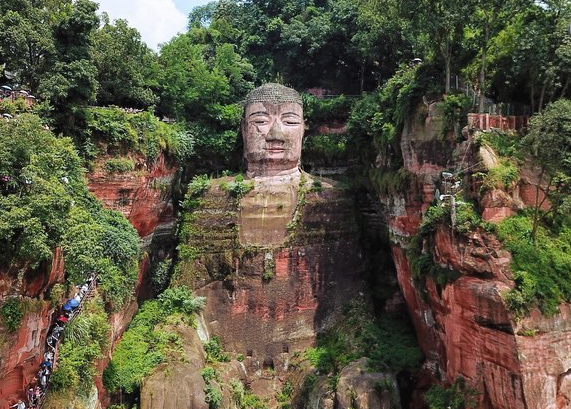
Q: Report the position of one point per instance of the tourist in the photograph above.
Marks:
(46, 364)
(43, 381)
(48, 356)
(62, 319)
(19, 405)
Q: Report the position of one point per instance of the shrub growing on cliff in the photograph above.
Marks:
(238, 188)
(215, 351)
(103, 241)
(244, 399)
(457, 396)
(542, 268)
(12, 314)
(119, 165)
(146, 343)
(85, 340)
(212, 396)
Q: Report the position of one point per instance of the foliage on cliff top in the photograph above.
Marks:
(324, 110)
(45, 203)
(147, 342)
(140, 132)
(377, 119)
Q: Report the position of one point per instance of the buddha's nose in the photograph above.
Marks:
(276, 132)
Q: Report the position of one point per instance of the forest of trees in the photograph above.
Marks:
(515, 51)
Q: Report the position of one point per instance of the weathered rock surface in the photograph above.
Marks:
(143, 196)
(464, 326)
(21, 351)
(178, 384)
(269, 298)
(358, 388)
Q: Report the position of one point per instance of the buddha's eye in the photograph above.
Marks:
(292, 122)
(259, 121)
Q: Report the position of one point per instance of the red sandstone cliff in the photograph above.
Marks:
(144, 196)
(21, 351)
(464, 327)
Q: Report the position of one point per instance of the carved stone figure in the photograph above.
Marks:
(272, 129)
(279, 262)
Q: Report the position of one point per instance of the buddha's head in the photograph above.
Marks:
(272, 129)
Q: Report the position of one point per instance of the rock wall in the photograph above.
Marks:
(21, 351)
(464, 326)
(268, 301)
(145, 198)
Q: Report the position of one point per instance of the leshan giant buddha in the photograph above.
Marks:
(278, 263)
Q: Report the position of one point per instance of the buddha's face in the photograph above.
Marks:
(272, 136)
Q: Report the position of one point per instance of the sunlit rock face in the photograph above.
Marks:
(144, 196)
(464, 326)
(182, 385)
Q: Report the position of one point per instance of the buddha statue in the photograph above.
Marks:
(272, 131)
(278, 263)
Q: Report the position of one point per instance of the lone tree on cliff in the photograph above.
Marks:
(549, 143)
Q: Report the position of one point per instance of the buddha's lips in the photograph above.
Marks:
(276, 150)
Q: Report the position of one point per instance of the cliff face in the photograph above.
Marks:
(145, 198)
(272, 283)
(464, 326)
(21, 351)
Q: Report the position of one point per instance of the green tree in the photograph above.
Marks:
(72, 81)
(549, 142)
(26, 43)
(127, 69)
(441, 24)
